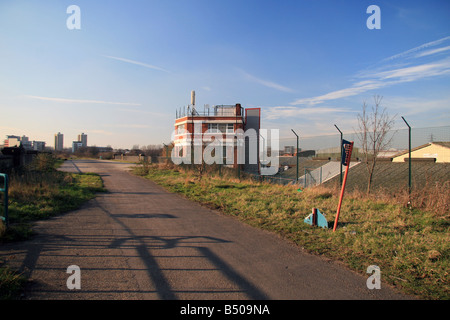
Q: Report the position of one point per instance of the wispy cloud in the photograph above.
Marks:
(65, 100)
(266, 83)
(417, 72)
(411, 70)
(433, 51)
(142, 64)
(356, 89)
(421, 47)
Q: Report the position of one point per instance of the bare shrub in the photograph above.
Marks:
(433, 197)
(373, 135)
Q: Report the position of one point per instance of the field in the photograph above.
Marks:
(410, 245)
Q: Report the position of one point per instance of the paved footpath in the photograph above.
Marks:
(137, 241)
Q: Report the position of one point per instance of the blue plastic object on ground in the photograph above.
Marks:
(316, 218)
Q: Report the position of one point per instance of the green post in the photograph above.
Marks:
(409, 159)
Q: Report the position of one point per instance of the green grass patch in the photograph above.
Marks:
(411, 247)
(39, 195)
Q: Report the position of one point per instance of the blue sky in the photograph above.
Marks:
(307, 64)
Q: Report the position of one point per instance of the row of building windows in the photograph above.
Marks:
(181, 151)
(212, 127)
(221, 127)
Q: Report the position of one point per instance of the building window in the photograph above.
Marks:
(221, 127)
(212, 127)
(180, 129)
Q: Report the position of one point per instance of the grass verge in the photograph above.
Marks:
(411, 246)
(39, 192)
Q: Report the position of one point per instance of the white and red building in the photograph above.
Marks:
(221, 127)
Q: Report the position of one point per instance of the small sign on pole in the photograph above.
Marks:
(347, 148)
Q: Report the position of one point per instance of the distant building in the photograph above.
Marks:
(290, 151)
(76, 145)
(12, 141)
(222, 119)
(192, 125)
(83, 139)
(59, 141)
(26, 143)
(38, 145)
(17, 141)
(440, 151)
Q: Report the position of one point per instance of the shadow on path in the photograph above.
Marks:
(145, 245)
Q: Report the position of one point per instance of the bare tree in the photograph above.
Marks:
(373, 133)
(153, 151)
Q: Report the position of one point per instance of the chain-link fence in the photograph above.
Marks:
(323, 144)
(430, 160)
(319, 161)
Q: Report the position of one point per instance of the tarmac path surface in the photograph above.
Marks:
(138, 241)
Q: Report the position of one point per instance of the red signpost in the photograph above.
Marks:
(346, 155)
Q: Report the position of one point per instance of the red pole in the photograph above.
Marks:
(347, 163)
(340, 198)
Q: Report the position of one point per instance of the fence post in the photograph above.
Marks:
(341, 152)
(409, 161)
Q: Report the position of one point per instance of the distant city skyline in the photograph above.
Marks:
(118, 71)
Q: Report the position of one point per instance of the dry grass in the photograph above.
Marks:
(433, 198)
(39, 191)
